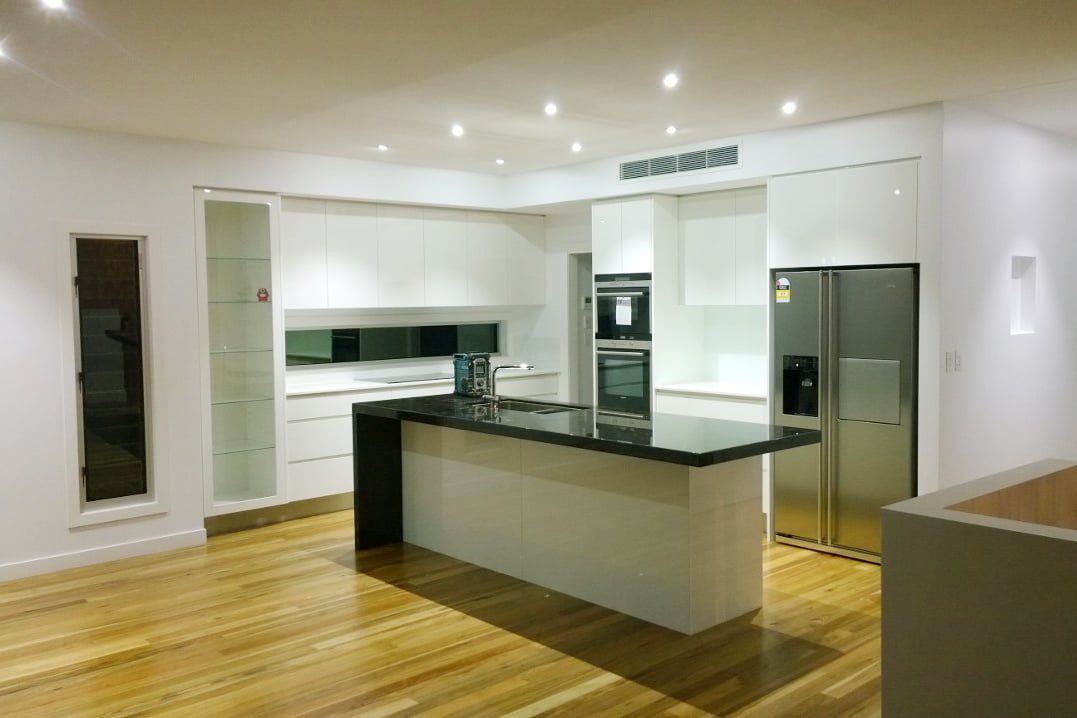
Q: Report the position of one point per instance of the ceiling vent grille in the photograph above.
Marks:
(728, 156)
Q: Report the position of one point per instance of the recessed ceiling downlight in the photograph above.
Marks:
(499, 161)
(457, 130)
(53, 4)
(576, 147)
(671, 80)
(789, 107)
(383, 148)
(671, 130)
(550, 109)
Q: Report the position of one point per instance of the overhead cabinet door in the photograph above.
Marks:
(352, 248)
(303, 253)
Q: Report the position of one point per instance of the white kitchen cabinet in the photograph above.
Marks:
(242, 333)
(488, 271)
(352, 246)
(752, 279)
(319, 442)
(400, 257)
(622, 236)
(851, 215)
(606, 237)
(303, 253)
(344, 255)
(445, 234)
(724, 247)
(875, 213)
(637, 235)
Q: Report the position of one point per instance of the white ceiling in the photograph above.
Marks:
(338, 77)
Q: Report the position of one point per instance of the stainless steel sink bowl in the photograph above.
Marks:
(532, 407)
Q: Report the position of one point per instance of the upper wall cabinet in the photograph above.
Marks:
(445, 233)
(852, 215)
(400, 257)
(303, 253)
(724, 247)
(622, 236)
(346, 255)
(353, 255)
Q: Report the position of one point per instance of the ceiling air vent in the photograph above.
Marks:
(728, 156)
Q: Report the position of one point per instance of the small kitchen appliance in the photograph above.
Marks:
(471, 371)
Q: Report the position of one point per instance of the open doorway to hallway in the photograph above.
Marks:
(581, 323)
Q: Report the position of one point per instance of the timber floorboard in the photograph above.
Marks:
(288, 620)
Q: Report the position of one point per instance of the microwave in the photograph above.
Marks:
(623, 309)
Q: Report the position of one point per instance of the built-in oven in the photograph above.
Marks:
(623, 379)
(623, 307)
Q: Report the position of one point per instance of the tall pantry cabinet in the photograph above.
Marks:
(241, 328)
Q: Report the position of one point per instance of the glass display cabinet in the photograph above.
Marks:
(243, 370)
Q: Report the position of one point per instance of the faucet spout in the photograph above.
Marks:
(492, 396)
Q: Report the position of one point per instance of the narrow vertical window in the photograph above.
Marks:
(110, 365)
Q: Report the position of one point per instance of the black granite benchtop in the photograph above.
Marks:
(686, 440)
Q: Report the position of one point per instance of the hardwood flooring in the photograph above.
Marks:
(287, 620)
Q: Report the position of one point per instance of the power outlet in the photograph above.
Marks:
(953, 361)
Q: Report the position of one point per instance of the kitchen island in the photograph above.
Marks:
(661, 520)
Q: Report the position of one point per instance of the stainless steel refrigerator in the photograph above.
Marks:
(844, 356)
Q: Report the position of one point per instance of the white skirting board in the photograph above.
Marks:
(100, 554)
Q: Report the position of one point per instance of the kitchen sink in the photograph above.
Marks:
(532, 407)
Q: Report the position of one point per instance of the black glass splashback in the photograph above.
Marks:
(358, 344)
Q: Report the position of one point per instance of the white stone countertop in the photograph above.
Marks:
(716, 390)
(340, 382)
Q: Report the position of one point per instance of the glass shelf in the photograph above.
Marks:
(239, 350)
(232, 447)
(239, 398)
(239, 259)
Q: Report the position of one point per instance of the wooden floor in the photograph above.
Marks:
(288, 620)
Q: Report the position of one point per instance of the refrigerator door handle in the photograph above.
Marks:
(831, 429)
(822, 505)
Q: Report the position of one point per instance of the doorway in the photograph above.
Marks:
(581, 327)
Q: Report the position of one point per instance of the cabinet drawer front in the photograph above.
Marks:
(421, 390)
(527, 385)
(319, 438)
(319, 406)
(323, 477)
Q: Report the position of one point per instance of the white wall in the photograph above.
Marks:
(566, 233)
(55, 181)
(1008, 190)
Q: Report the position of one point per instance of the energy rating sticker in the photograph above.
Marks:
(781, 291)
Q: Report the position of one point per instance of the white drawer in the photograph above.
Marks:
(319, 438)
(401, 392)
(317, 406)
(525, 385)
(321, 477)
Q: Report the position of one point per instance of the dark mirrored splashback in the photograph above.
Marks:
(333, 346)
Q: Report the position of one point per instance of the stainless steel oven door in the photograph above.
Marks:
(623, 381)
(623, 307)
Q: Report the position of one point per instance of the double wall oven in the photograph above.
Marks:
(623, 344)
